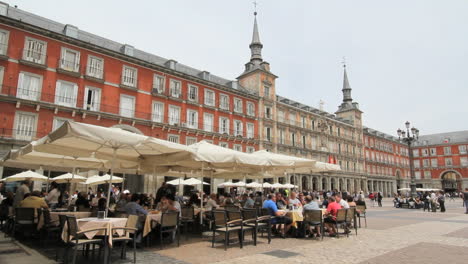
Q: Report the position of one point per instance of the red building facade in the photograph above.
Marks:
(48, 77)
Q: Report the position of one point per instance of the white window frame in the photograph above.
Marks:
(281, 133)
(2, 72)
(20, 90)
(223, 129)
(250, 149)
(433, 151)
(265, 89)
(55, 123)
(425, 152)
(190, 96)
(223, 144)
(173, 138)
(130, 81)
(237, 147)
(224, 104)
(464, 161)
(96, 102)
(268, 112)
(190, 140)
(268, 134)
(59, 99)
(209, 101)
(238, 131)
(208, 127)
(426, 163)
(462, 149)
(415, 152)
(251, 109)
(4, 46)
(27, 52)
(174, 120)
(250, 130)
(70, 65)
(192, 123)
(175, 88)
(123, 111)
(238, 105)
(449, 152)
(155, 116)
(29, 134)
(448, 162)
(95, 70)
(159, 82)
(281, 116)
(427, 175)
(292, 118)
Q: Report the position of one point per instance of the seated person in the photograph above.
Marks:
(194, 200)
(325, 203)
(279, 217)
(102, 203)
(332, 211)
(281, 203)
(133, 207)
(120, 206)
(311, 203)
(344, 204)
(350, 201)
(34, 201)
(168, 204)
(81, 202)
(249, 202)
(211, 203)
(228, 200)
(294, 201)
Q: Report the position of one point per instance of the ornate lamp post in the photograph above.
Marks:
(409, 138)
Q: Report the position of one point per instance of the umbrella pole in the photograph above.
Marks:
(123, 182)
(114, 153)
(201, 197)
(48, 182)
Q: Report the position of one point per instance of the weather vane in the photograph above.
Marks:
(255, 7)
(344, 62)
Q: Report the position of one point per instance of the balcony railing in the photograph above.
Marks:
(79, 103)
(34, 57)
(70, 66)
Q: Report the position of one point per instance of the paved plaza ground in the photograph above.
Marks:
(392, 236)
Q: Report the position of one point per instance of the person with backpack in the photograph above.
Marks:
(372, 197)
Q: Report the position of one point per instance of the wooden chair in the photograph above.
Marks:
(314, 218)
(169, 224)
(76, 238)
(223, 225)
(361, 213)
(129, 235)
(49, 227)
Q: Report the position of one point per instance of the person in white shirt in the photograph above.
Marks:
(294, 201)
(341, 201)
(53, 196)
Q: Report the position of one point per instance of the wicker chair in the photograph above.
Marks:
(76, 238)
(24, 220)
(188, 216)
(351, 218)
(361, 213)
(340, 219)
(222, 225)
(169, 224)
(314, 218)
(128, 235)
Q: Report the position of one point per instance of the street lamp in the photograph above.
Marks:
(409, 138)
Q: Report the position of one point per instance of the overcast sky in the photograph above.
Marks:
(407, 60)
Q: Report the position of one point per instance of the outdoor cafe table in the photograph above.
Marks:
(297, 215)
(94, 222)
(156, 218)
(54, 217)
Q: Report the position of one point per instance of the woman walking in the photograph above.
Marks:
(441, 201)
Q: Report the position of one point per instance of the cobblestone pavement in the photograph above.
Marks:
(392, 236)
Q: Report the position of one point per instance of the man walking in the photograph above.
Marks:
(465, 200)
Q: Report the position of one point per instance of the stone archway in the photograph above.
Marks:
(315, 186)
(398, 179)
(325, 184)
(304, 183)
(340, 185)
(451, 181)
(333, 184)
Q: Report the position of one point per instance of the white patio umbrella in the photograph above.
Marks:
(193, 181)
(226, 184)
(124, 149)
(289, 186)
(239, 184)
(277, 185)
(68, 178)
(22, 176)
(253, 185)
(179, 181)
(106, 178)
(266, 185)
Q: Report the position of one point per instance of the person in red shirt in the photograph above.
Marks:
(331, 213)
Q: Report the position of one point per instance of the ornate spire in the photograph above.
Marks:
(346, 88)
(256, 46)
